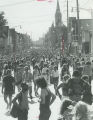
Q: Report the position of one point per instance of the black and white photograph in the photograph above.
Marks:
(46, 59)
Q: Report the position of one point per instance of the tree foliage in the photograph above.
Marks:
(3, 21)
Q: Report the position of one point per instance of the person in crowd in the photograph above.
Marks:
(66, 108)
(15, 67)
(1, 69)
(8, 88)
(41, 65)
(77, 64)
(80, 69)
(64, 61)
(44, 69)
(51, 67)
(86, 93)
(0, 73)
(28, 78)
(18, 77)
(33, 61)
(55, 75)
(92, 70)
(48, 76)
(43, 58)
(82, 61)
(87, 70)
(75, 86)
(28, 64)
(36, 74)
(22, 98)
(65, 70)
(92, 64)
(63, 86)
(46, 99)
(5, 70)
(9, 65)
(81, 111)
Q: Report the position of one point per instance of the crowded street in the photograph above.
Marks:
(33, 106)
(46, 59)
(34, 112)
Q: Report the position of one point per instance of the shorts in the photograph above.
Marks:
(10, 93)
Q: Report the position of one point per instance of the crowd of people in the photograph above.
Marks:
(72, 87)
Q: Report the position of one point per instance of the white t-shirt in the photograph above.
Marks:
(28, 78)
(55, 73)
(44, 70)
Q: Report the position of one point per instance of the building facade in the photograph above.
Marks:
(85, 49)
(12, 42)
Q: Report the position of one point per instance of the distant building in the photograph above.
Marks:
(85, 36)
(12, 42)
(3, 38)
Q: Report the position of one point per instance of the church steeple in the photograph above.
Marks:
(58, 7)
(58, 16)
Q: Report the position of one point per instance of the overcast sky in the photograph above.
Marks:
(36, 17)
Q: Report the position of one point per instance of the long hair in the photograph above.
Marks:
(81, 111)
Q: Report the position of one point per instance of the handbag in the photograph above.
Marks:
(15, 110)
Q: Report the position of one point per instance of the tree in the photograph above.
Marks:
(3, 21)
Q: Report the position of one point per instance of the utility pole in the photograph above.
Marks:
(78, 26)
(92, 35)
(67, 16)
(68, 40)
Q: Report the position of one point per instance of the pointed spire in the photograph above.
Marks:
(58, 7)
(58, 15)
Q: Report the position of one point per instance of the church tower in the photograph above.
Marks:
(58, 16)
